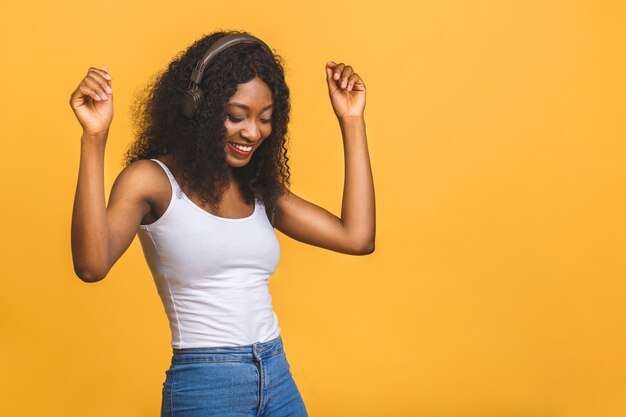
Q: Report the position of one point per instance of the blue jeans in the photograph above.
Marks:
(251, 381)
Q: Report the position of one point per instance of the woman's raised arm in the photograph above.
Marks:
(354, 233)
(101, 235)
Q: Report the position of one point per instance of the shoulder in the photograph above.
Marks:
(143, 179)
(142, 171)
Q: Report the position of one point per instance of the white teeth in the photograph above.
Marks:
(243, 148)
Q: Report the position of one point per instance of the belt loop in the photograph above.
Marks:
(255, 351)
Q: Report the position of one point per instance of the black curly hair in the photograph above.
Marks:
(197, 144)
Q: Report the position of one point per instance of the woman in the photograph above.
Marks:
(203, 192)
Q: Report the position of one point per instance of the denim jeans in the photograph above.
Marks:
(253, 380)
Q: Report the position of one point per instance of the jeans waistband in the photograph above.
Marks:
(258, 350)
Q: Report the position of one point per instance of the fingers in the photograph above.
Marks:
(329, 72)
(341, 73)
(337, 71)
(345, 76)
(96, 84)
(351, 80)
(355, 83)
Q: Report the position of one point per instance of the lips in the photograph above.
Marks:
(239, 151)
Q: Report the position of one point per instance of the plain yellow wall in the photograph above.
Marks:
(497, 137)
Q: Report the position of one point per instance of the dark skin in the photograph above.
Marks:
(249, 116)
(141, 192)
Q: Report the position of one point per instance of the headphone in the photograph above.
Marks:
(192, 97)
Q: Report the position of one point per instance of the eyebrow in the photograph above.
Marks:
(243, 106)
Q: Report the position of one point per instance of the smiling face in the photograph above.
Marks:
(248, 121)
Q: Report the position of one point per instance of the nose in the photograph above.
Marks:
(251, 132)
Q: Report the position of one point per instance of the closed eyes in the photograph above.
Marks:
(237, 120)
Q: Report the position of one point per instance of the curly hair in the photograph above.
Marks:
(198, 144)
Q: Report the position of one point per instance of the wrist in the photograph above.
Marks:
(351, 119)
(94, 140)
(91, 136)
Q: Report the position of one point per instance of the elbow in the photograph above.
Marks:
(88, 267)
(89, 275)
(366, 248)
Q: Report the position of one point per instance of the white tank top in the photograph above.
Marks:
(212, 273)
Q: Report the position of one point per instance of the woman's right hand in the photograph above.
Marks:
(92, 101)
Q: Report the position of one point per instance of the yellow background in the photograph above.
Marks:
(498, 145)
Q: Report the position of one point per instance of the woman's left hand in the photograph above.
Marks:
(346, 90)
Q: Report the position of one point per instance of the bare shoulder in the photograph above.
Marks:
(141, 180)
(140, 173)
(143, 168)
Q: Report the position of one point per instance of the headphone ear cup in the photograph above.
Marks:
(192, 98)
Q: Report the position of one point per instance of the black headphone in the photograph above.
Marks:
(192, 97)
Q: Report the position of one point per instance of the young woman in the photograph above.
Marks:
(204, 191)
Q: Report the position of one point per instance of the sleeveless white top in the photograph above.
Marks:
(212, 273)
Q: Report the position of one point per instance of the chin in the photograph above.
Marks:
(237, 163)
